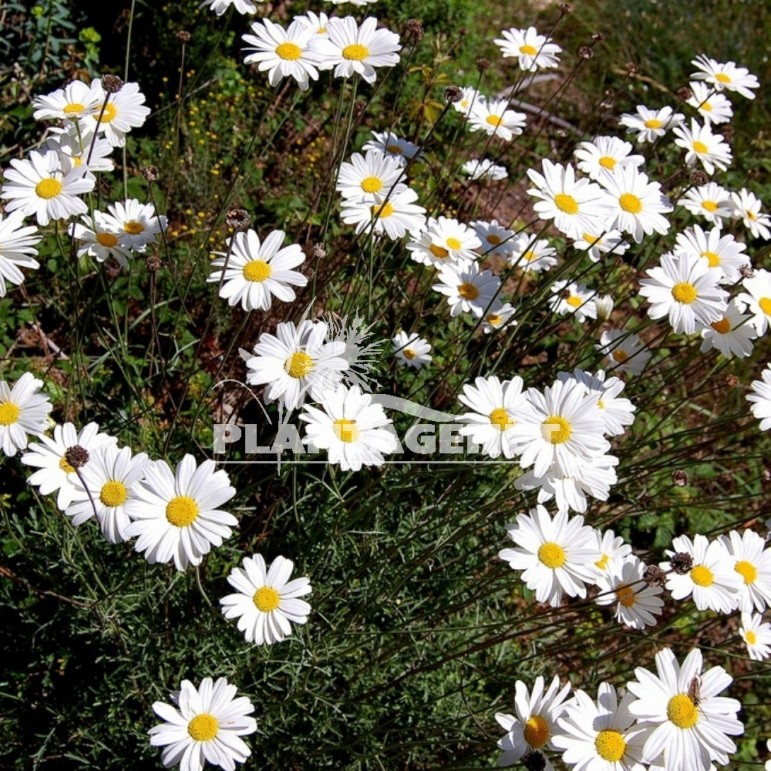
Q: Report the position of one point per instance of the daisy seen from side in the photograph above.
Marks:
(17, 247)
(624, 351)
(393, 215)
(731, 334)
(648, 124)
(722, 253)
(23, 411)
(752, 561)
(746, 206)
(726, 76)
(637, 603)
(411, 349)
(467, 288)
(531, 50)
(710, 201)
(494, 117)
(756, 299)
(713, 106)
(700, 144)
(756, 636)
(760, 398)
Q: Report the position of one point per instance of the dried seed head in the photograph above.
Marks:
(598, 37)
(606, 104)
(319, 252)
(566, 8)
(413, 30)
(728, 133)
(76, 456)
(534, 761)
(679, 478)
(453, 94)
(654, 576)
(699, 178)
(153, 263)
(585, 52)
(483, 64)
(237, 219)
(684, 93)
(150, 173)
(732, 381)
(681, 563)
(631, 68)
(184, 36)
(111, 84)
(746, 271)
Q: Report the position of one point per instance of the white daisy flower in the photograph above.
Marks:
(637, 603)
(204, 725)
(761, 400)
(411, 350)
(17, 245)
(469, 97)
(603, 155)
(613, 550)
(573, 492)
(137, 224)
(713, 106)
(494, 117)
(220, 6)
(350, 428)
(598, 244)
(50, 457)
(600, 736)
(266, 602)
(756, 636)
(533, 51)
(77, 146)
(624, 351)
(317, 22)
(100, 238)
(747, 207)
(687, 722)
(484, 168)
(176, 514)
(649, 124)
(684, 289)
(638, 204)
(700, 144)
(41, 188)
(22, 411)
(731, 334)
(124, 111)
(467, 288)
(752, 561)
(253, 273)
(495, 239)
(616, 412)
(569, 297)
(393, 216)
(709, 201)
(575, 205)
(71, 103)
(722, 253)
(109, 477)
(499, 316)
(295, 361)
(757, 299)
(565, 428)
(725, 76)
(367, 176)
(556, 555)
(704, 570)
(350, 48)
(390, 144)
(533, 727)
(532, 254)
(491, 422)
(444, 241)
(283, 52)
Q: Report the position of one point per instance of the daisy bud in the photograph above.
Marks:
(152, 263)
(598, 37)
(747, 271)
(565, 8)
(631, 68)
(728, 133)
(150, 173)
(681, 563)
(732, 381)
(76, 456)
(413, 30)
(237, 219)
(585, 52)
(184, 36)
(483, 64)
(679, 478)
(111, 84)
(453, 94)
(604, 306)
(699, 178)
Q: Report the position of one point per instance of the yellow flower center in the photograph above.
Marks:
(653, 123)
(765, 305)
(556, 429)
(610, 746)
(453, 243)
(706, 107)
(77, 161)
(684, 292)
(721, 77)
(574, 301)
(113, 493)
(494, 120)
(266, 599)
(552, 555)
(750, 637)
(256, 270)
(566, 203)
(713, 259)
(607, 162)
(289, 51)
(699, 147)
(536, 731)
(109, 113)
(383, 210)
(371, 184)
(408, 353)
(630, 203)
(203, 727)
(528, 50)
(747, 571)
(9, 413)
(602, 563)
(355, 52)
(394, 149)
(530, 255)
(722, 326)
(48, 188)
(500, 418)
(438, 251)
(682, 711)
(106, 239)
(590, 239)
(468, 291)
(346, 430)
(73, 108)
(181, 511)
(134, 228)
(493, 239)
(702, 576)
(65, 467)
(710, 206)
(619, 356)
(625, 596)
(299, 364)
